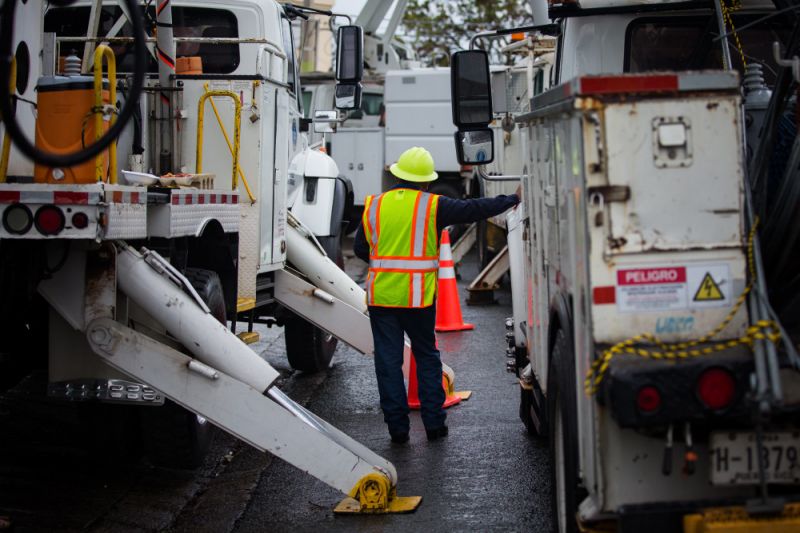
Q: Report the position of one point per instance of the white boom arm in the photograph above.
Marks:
(379, 55)
(227, 383)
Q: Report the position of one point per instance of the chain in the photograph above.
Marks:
(726, 15)
(763, 330)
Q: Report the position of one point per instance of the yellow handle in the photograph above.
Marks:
(103, 51)
(230, 148)
(12, 86)
(236, 132)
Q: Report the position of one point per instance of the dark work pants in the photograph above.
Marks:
(388, 325)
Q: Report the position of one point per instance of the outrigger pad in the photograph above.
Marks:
(374, 495)
(398, 504)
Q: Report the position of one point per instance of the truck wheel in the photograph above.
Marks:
(175, 437)
(563, 435)
(308, 348)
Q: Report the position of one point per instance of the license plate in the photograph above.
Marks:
(734, 458)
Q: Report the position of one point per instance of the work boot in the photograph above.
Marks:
(399, 438)
(435, 434)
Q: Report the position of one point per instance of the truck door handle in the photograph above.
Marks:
(361, 166)
(350, 166)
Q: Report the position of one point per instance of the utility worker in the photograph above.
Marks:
(399, 238)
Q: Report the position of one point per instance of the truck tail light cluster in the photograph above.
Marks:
(653, 393)
(49, 220)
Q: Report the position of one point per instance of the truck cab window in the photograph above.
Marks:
(371, 103)
(288, 46)
(687, 43)
(187, 22)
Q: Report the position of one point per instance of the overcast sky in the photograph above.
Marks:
(349, 7)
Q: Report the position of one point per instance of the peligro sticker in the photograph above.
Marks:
(658, 289)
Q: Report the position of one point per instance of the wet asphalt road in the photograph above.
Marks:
(487, 475)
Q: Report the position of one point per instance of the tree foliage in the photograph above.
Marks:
(437, 28)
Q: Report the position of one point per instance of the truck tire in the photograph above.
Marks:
(308, 348)
(562, 411)
(173, 436)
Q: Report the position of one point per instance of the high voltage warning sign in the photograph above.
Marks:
(708, 290)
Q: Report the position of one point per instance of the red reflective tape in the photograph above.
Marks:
(651, 276)
(161, 7)
(201, 198)
(176, 200)
(188, 199)
(70, 197)
(604, 295)
(134, 197)
(628, 84)
(9, 197)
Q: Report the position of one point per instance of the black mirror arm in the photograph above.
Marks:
(547, 29)
(508, 177)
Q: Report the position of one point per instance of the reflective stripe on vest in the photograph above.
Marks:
(411, 264)
(400, 228)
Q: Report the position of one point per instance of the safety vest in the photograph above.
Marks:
(400, 227)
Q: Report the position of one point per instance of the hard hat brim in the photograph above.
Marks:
(408, 176)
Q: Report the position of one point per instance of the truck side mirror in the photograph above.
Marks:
(325, 121)
(471, 89)
(475, 147)
(349, 67)
(471, 97)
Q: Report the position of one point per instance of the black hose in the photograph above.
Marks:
(12, 126)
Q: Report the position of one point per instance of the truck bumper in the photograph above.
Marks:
(697, 517)
(736, 520)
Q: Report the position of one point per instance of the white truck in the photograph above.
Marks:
(127, 289)
(642, 332)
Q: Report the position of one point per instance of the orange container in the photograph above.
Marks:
(64, 107)
(189, 65)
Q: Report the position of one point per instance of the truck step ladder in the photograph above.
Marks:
(481, 290)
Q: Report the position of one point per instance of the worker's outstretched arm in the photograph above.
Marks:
(453, 211)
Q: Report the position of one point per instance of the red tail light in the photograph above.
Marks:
(80, 220)
(648, 399)
(716, 388)
(49, 220)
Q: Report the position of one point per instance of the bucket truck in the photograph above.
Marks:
(653, 273)
(139, 213)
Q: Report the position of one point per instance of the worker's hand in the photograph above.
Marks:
(518, 192)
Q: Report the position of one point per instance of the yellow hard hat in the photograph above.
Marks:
(415, 164)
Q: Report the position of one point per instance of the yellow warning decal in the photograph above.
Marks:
(709, 290)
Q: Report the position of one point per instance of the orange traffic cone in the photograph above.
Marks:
(451, 397)
(448, 308)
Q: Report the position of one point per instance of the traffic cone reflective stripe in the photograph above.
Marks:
(451, 397)
(448, 308)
